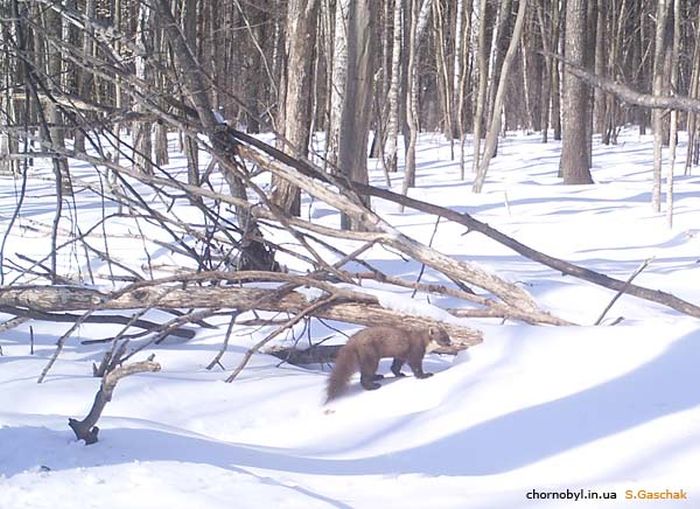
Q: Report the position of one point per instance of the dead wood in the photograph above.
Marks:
(25, 314)
(351, 306)
(519, 303)
(637, 272)
(324, 354)
(628, 94)
(354, 189)
(12, 323)
(317, 305)
(390, 236)
(316, 354)
(60, 343)
(111, 359)
(86, 429)
(562, 266)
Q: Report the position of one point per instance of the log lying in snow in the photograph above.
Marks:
(351, 307)
(323, 354)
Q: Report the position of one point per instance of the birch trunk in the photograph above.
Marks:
(482, 69)
(465, 78)
(693, 93)
(391, 149)
(85, 77)
(419, 21)
(457, 69)
(556, 74)
(546, 88)
(339, 73)
(657, 90)
(673, 141)
(495, 124)
(189, 29)
(444, 81)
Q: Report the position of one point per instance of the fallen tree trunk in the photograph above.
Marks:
(563, 266)
(518, 302)
(356, 190)
(26, 314)
(460, 270)
(324, 354)
(351, 307)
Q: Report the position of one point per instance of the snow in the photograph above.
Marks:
(550, 409)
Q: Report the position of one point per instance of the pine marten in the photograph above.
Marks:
(364, 349)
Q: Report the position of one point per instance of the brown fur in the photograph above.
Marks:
(364, 349)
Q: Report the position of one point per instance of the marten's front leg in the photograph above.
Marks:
(417, 368)
(396, 367)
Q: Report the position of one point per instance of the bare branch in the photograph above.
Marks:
(628, 94)
(86, 429)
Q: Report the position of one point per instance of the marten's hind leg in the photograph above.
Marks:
(368, 372)
(396, 367)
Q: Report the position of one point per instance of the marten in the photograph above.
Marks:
(364, 349)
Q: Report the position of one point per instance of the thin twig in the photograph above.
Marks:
(217, 359)
(289, 323)
(422, 266)
(12, 323)
(61, 343)
(14, 217)
(622, 290)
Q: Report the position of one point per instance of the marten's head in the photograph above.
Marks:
(439, 336)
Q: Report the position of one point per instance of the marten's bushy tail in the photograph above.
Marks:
(346, 364)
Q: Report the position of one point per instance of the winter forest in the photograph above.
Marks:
(201, 201)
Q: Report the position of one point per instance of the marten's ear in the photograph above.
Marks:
(431, 331)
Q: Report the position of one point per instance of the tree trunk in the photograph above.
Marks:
(482, 70)
(458, 70)
(161, 146)
(351, 307)
(338, 82)
(301, 25)
(693, 92)
(673, 135)
(602, 45)
(85, 77)
(141, 130)
(419, 20)
(547, 89)
(657, 90)
(189, 29)
(357, 100)
(391, 149)
(444, 81)
(495, 124)
(575, 155)
(556, 74)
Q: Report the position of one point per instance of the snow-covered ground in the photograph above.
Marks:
(578, 411)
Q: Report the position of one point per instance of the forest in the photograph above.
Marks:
(201, 200)
(79, 69)
(108, 85)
